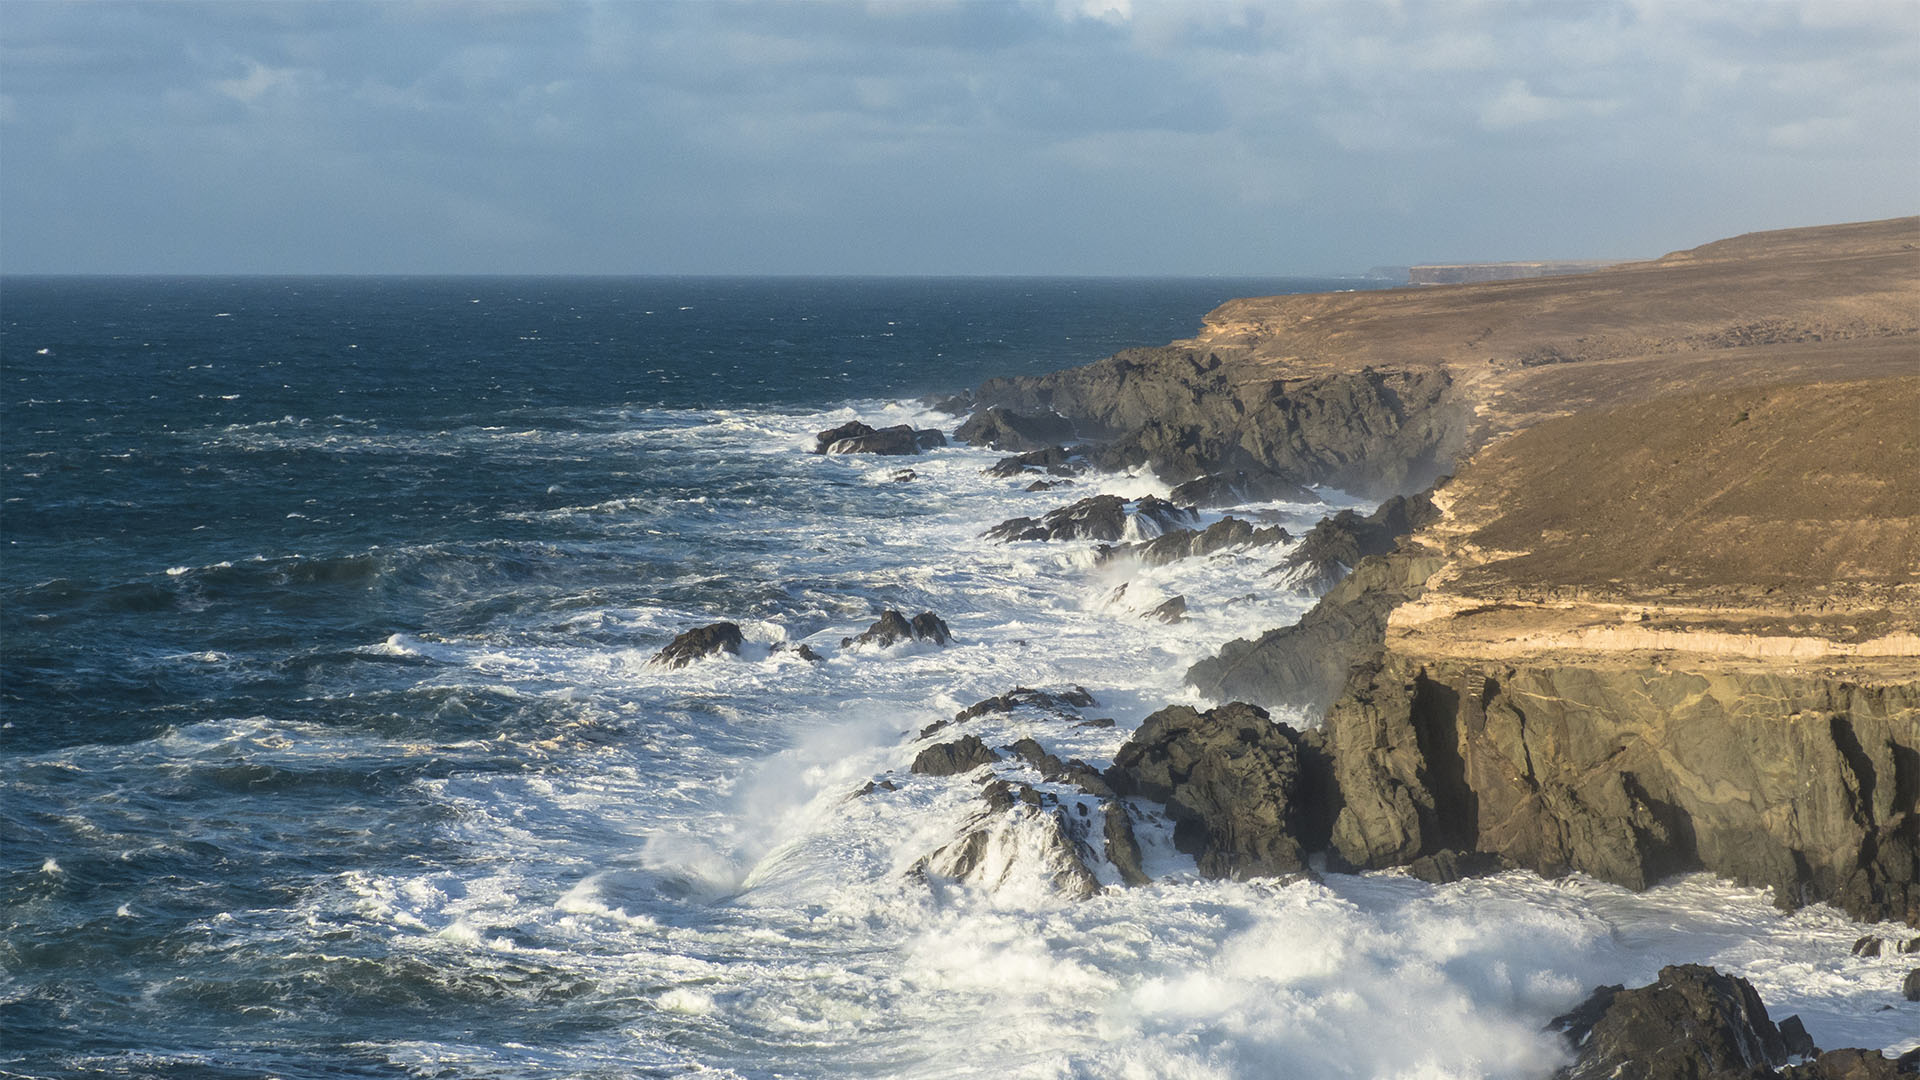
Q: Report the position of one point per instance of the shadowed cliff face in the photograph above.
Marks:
(1798, 782)
(1183, 413)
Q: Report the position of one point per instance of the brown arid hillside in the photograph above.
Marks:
(1831, 302)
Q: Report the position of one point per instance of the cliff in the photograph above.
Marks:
(1665, 617)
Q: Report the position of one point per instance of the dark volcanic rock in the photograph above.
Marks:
(1123, 849)
(1910, 986)
(1693, 1024)
(892, 626)
(1337, 544)
(704, 641)
(854, 437)
(964, 754)
(1055, 460)
(1598, 770)
(1867, 946)
(1232, 489)
(1848, 1065)
(1448, 865)
(802, 650)
(1368, 432)
(951, 404)
(1178, 544)
(1021, 697)
(1173, 611)
(1306, 664)
(1096, 517)
(1004, 429)
(1048, 485)
(1230, 779)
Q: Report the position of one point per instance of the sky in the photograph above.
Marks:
(1096, 137)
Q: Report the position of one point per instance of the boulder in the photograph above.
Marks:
(1047, 485)
(1910, 986)
(801, 649)
(1003, 429)
(892, 627)
(964, 754)
(702, 641)
(1230, 779)
(898, 440)
(1123, 849)
(1692, 1024)
(1173, 611)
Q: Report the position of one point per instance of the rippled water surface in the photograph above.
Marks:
(331, 749)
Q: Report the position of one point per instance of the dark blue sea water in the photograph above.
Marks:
(330, 746)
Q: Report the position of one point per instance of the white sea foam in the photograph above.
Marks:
(689, 841)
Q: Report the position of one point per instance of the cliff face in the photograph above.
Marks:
(1188, 414)
(1667, 614)
(1677, 635)
(1799, 782)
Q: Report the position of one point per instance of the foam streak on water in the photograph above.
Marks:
(419, 804)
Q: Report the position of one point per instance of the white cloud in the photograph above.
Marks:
(259, 81)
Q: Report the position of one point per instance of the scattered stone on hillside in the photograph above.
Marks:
(854, 437)
(1003, 429)
(1177, 544)
(1230, 779)
(1054, 460)
(1096, 517)
(892, 627)
(1232, 489)
(702, 641)
(964, 754)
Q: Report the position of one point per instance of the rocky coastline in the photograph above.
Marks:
(1641, 597)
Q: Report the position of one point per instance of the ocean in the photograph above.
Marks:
(330, 746)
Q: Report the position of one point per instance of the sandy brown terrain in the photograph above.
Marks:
(1837, 301)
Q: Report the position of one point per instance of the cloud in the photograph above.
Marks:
(1049, 135)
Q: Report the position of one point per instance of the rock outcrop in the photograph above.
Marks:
(962, 755)
(1306, 664)
(702, 641)
(1695, 1023)
(1176, 544)
(855, 437)
(1231, 780)
(1053, 460)
(1001, 428)
(1182, 414)
(1796, 782)
(1097, 517)
(893, 627)
(1332, 548)
(1231, 489)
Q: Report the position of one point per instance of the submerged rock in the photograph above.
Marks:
(892, 627)
(1231, 780)
(702, 641)
(1003, 429)
(801, 649)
